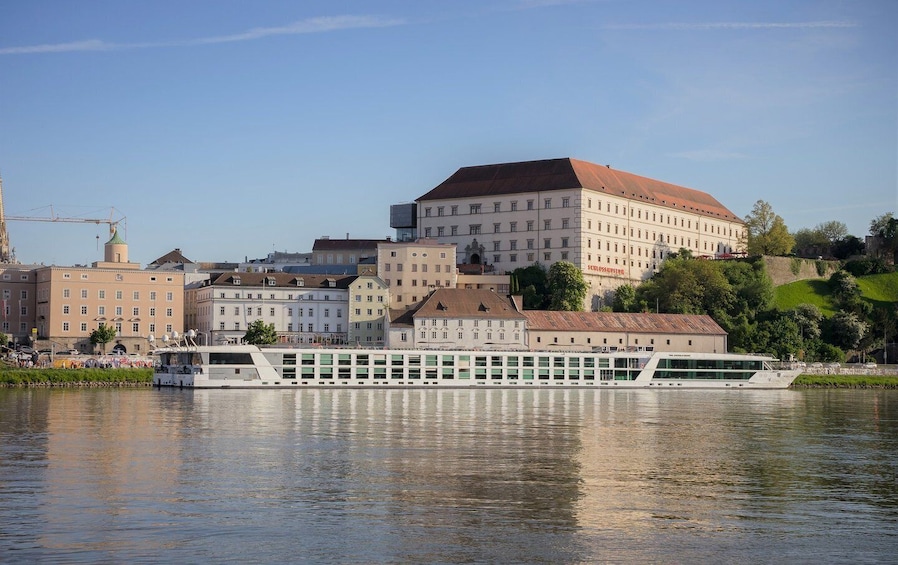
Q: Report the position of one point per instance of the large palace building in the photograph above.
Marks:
(617, 227)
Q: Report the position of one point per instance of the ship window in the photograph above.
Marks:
(230, 359)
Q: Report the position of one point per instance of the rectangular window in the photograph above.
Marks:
(475, 208)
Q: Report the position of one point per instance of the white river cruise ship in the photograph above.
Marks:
(250, 366)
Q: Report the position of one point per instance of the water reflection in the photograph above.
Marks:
(447, 475)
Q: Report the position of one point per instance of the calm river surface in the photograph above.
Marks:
(458, 476)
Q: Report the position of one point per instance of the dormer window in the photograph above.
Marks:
(236, 281)
(300, 282)
(271, 281)
(441, 306)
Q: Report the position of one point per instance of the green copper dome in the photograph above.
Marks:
(115, 239)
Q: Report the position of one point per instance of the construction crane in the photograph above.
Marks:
(113, 223)
(7, 255)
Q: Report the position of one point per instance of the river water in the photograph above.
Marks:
(448, 476)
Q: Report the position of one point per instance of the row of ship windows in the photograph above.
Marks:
(401, 360)
(461, 374)
(508, 374)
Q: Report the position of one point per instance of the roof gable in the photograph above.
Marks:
(467, 303)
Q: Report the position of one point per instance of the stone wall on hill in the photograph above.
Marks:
(784, 270)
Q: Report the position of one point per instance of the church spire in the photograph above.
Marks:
(5, 256)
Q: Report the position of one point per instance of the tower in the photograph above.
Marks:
(116, 250)
(5, 255)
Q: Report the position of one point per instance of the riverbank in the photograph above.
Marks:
(50, 377)
(846, 381)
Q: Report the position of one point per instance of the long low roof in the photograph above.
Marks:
(546, 320)
(561, 174)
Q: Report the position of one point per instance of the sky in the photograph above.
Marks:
(231, 129)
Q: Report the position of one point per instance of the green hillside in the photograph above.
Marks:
(880, 290)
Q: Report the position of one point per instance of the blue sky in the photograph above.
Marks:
(230, 129)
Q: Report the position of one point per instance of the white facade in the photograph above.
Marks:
(303, 308)
(460, 319)
(613, 236)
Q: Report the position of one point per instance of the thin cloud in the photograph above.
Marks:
(684, 26)
(311, 25)
(87, 45)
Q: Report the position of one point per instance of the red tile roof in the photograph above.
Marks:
(567, 173)
(545, 320)
(326, 244)
(283, 279)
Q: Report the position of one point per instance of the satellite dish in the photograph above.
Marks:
(151, 338)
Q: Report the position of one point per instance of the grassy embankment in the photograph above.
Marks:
(49, 377)
(879, 290)
(846, 381)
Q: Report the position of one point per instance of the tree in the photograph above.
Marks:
(808, 318)
(624, 298)
(260, 333)
(846, 330)
(833, 231)
(885, 229)
(780, 335)
(807, 238)
(687, 286)
(566, 286)
(102, 335)
(767, 232)
(847, 247)
(531, 282)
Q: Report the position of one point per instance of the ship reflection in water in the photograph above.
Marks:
(458, 475)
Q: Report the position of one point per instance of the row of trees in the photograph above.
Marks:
(739, 296)
(768, 235)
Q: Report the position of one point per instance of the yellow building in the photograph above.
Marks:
(72, 302)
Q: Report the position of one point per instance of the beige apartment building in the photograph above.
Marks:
(369, 305)
(17, 292)
(72, 302)
(455, 318)
(413, 269)
(615, 226)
